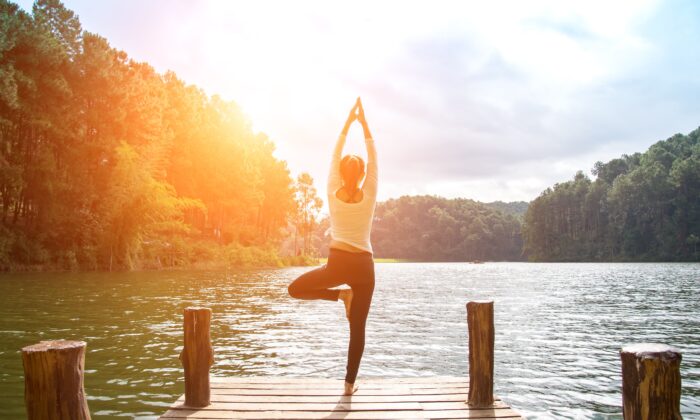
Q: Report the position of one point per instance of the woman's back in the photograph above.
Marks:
(351, 222)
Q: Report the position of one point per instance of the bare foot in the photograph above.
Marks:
(350, 388)
(346, 296)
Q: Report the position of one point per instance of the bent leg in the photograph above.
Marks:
(316, 284)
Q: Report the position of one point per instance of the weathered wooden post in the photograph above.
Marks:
(197, 356)
(651, 382)
(481, 344)
(53, 380)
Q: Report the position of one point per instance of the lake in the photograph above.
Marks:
(559, 328)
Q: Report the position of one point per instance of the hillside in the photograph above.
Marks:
(640, 207)
(515, 208)
(430, 228)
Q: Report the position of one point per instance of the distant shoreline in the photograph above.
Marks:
(209, 266)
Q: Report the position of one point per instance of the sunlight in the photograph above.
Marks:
(180, 177)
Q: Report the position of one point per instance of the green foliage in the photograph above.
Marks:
(308, 204)
(643, 207)
(430, 228)
(515, 208)
(240, 256)
(106, 164)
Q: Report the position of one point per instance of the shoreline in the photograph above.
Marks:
(214, 266)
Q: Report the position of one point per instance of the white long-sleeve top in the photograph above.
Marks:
(351, 223)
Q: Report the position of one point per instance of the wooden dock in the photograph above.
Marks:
(54, 389)
(440, 397)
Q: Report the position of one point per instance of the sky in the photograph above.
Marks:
(492, 100)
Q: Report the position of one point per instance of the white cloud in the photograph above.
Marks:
(488, 100)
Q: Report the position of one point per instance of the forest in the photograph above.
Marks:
(106, 164)
(429, 228)
(640, 207)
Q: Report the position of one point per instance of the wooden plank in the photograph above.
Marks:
(351, 415)
(301, 379)
(334, 406)
(299, 406)
(337, 384)
(441, 391)
(311, 398)
(457, 405)
(336, 391)
(335, 398)
(473, 414)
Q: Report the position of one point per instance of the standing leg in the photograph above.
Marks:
(361, 301)
(316, 284)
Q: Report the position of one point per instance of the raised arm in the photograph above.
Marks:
(334, 180)
(371, 180)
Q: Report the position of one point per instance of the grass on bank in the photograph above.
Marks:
(173, 254)
(323, 260)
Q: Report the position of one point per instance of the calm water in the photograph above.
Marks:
(558, 330)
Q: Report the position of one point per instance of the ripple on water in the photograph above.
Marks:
(559, 328)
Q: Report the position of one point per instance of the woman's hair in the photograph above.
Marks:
(352, 170)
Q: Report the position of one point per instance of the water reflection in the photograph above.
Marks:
(558, 329)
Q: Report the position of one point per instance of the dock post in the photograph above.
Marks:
(197, 356)
(651, 382)
(481, 345)
(53, 380)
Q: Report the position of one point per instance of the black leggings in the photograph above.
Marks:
(343, 267)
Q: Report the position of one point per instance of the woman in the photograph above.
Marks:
(350, 256)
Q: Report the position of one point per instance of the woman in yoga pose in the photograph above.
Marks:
(350, 258)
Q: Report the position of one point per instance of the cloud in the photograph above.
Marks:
(488, 100)
(470, 111)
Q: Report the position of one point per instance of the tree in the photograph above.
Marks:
(100, 155)
(693, 241)
(641, 207)
(308, 207)
(431, 228)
